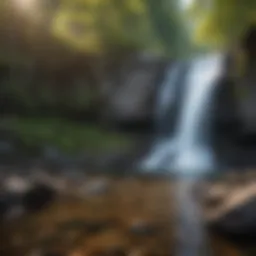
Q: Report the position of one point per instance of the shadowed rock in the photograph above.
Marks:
(239, 224)
(235, 218)
(7, 202)
(142, 228)
(38, 197)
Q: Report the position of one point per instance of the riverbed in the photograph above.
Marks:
(103, 215)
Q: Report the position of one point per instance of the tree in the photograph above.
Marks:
(221, 22)
(97, 26)
(128, 24)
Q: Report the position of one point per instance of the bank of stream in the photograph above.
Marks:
(105, 215)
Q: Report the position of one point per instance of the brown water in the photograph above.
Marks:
(105, 216)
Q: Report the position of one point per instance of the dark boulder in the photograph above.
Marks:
(38, 197)
(238, 224)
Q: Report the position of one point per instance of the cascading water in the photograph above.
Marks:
(195, 156)
(166, 102)
(193, 135)
(167, 96)
(188, 152)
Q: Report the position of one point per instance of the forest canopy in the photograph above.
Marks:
(99, 26)
(221, 22)
(133, 24)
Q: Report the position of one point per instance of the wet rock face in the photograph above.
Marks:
(234, 133)
(247, 103)
(247, 84)
(131, 100)
(226, 105)
(249, 42)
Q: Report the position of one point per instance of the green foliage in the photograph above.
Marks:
(222, 22)
(99, 26)
(96, 26)
(67, 136)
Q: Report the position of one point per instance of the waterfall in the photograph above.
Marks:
(186, 149)
(194, 153)
(193, 135)
(166, 104)
(187, 152)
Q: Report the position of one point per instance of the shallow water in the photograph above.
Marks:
(105, 215)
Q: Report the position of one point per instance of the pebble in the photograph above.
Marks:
(16, 184)
(95, 187)
(109, 242)
(138, 252)
(142, 227)
(36, 252)
(77, 253)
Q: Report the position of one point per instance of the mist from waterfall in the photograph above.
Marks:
(187, 150)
